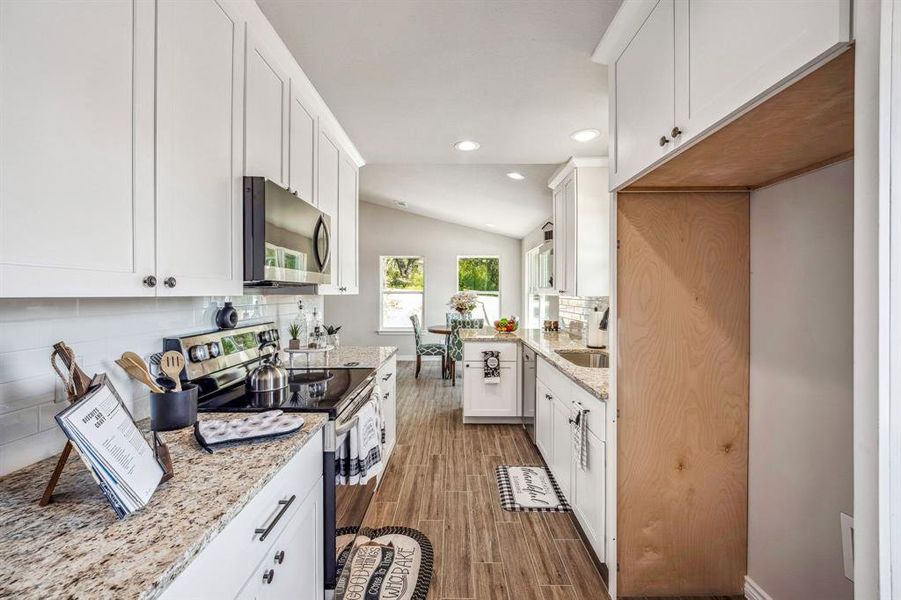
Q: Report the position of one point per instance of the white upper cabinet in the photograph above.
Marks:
(266, 123)
(348, 227)
(581, 228)
(327, 180)
(643, 93)
(681, 68)
(302, 146)
(76, 148)
(198, 154)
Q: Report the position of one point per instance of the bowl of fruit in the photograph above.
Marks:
(506, 325)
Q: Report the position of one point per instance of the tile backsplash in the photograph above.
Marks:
(577, 308)
(98, 330)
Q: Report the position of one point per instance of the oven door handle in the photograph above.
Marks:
(347, 420)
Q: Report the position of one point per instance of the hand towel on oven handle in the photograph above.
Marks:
(358, 450)
(578, 426)
(491, 366)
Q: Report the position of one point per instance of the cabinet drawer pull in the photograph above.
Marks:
(269, 575)
(280, 556)
(663, 141)
(387, 377)
(386, 395)
(169, 282)
(149, 281)
(264, 532)
(548, 397)
(676, 132)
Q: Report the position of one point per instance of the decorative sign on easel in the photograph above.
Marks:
(102, 431)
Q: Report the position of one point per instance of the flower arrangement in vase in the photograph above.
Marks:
(463, 302)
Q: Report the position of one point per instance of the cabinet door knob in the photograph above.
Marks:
(169, 282)
(676, 132)
(663, 140)
(150, 281)
(280, 556)
(268, 575)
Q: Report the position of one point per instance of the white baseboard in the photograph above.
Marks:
(754, 591)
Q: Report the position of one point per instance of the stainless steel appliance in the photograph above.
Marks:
(529, 373)
(220, 363)
(286, 239)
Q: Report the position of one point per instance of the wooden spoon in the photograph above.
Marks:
(172, 364)
(136, 372)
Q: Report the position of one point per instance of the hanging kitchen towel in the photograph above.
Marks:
(358, 450)
(491, 366)
(578, 424)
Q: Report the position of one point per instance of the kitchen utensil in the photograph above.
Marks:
(172, 365)
(166, 382)
(138, 373)
(269, 376)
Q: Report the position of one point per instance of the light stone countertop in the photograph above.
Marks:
(366, 356)
(545, 344)
(76, 548)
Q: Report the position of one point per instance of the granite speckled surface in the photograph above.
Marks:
(76, 548)
(366, 356)
(545, 344)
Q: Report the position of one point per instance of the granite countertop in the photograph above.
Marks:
(76, 548)
(545, 344)
(367, 356)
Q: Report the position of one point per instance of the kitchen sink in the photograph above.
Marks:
(590, 359)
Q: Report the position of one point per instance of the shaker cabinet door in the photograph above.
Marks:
(199, 173)
(327, 181)
(265, 114)
(561, 255)
(76, 148)
(589, 495)
(348, 227)
(302, 150)
(729, 53)
(644, 95)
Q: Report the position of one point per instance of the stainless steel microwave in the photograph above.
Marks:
(286, 239)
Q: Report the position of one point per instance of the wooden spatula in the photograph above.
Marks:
(172, 364)
(136, 372)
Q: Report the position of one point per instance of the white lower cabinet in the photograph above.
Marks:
(584, 488)
(387, 382)
(293, 568)
(289, 509)
(481, 399)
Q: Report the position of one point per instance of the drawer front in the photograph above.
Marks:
(473, 350)
(387, 373)
(558, 383)
(227, 562)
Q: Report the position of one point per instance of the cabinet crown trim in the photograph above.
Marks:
(622, 28)
(572, 164)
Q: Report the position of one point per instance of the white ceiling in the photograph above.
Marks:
(408, 78)
(473, 195)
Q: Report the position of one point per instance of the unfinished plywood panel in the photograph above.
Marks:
(683, 302)
(808, 125)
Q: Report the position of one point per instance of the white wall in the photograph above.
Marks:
(386, 232)
(801, 384)
(98, 330)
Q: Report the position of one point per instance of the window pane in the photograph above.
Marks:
(492, 307)
(397, 309)
(478, 274)
(402, 273)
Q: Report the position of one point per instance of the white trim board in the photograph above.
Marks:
(754, 591)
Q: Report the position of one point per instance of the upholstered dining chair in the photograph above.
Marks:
(455, 345)
(452, 315)
(426, 349)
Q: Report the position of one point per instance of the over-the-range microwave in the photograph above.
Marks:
(286, 239)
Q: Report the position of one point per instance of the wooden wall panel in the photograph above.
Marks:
(683, 302)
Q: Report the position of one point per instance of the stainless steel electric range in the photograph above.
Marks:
(219, 363)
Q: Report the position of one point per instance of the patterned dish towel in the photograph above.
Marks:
(358, 451)
(491, 366)
(578, 426)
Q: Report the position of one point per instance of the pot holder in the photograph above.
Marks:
(258, 426)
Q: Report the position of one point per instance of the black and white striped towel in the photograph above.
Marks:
(491, 360)
(578, 425)
(358, 451)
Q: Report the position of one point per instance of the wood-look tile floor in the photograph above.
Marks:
(441, 481)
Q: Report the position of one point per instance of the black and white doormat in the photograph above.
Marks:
(388, 563)
(529, 489)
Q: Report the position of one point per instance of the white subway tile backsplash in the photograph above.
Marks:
(98, 330)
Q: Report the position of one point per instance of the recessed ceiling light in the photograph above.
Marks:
(401, 203)
(585, 135)
(490, 225)
(467, 145)
(516, 176)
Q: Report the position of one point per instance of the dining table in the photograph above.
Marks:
(444, 330)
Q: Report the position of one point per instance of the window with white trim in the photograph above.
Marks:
(481, 275)
(401, 293)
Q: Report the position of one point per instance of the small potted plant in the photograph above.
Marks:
(332, 331)
(464, 303)
(294, 332)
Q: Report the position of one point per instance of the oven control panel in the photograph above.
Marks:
(207, 353)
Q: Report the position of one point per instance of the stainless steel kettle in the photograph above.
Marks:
(269, 376)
